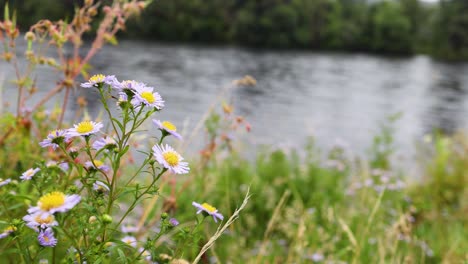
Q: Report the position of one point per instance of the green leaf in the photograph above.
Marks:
(7, 12)
(122, 258)
(118, 123)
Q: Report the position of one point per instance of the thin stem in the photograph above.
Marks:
(64, 105)
(46, 98)
(53, 255)
(138, 171)
(20, 248)
(139, 196)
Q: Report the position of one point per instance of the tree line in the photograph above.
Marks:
(387, 27)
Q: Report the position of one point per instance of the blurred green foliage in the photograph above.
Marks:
(30, 12)
(309, 205)
(387, 26)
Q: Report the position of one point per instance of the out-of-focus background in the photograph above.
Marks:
(332, 69)
(347, 120)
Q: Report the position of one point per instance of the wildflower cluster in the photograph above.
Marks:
(75, 195)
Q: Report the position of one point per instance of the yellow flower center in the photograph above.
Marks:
(169, 126)
(171, 157)
(84, 127)
(51, 200)
(98, 163)
(48, 220)
(148, 96)
(98, 78)
(29, 173)
(209, 207)
(10, 229)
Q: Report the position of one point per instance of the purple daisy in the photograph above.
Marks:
(98, 79)
(107, 142)
(99, 164)
(54, 139)
(46, 238)
(4, 182)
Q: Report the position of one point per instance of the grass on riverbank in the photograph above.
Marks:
(341, 210)
(310, 207)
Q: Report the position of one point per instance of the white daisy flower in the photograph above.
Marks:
(55, 202)
(166, 128)
(123, 100)
(113, 82)
(129, 229)
(64, 166)
(54, 139)
(99, 164)
(107, 142)
(84, 128)
(7, 231)
(27, 175)
(170, 159)
(317, 257)
(100, 79)
(4, 182)
(209, 210)
(131, 84)
(51, 163)
(145, 253)
(40, 219)
(144, 95)
(130, 240)
(100, 187)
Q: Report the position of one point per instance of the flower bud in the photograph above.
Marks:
(92, 11)
(106, 219)
(7, 56)
(72, 189)
(30, 36)
(51, 62)
(92, 219)
(16, 222)
(164, 216)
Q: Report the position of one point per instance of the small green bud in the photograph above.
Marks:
(16, 222)
(106, 219)
(100, 202)
(72, 189)
(164, 216)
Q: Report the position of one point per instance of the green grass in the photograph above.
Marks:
(307, 204)
(301, 207)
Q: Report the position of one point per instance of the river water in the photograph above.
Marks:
(332, 96)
